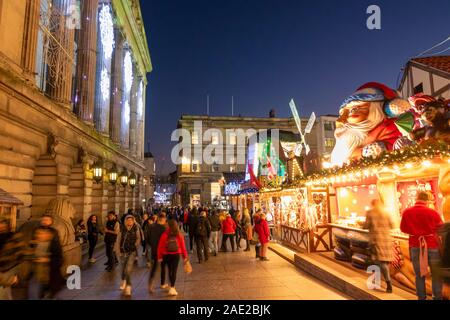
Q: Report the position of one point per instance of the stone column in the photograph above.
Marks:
(30, 37)
(133, 116)
(60, 80)
(87, 61)
(117, 88)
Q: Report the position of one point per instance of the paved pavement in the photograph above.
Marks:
(229, 276)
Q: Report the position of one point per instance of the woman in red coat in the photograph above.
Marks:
(171, 246)
(262, 229)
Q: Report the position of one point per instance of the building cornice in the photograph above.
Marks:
(129, 17)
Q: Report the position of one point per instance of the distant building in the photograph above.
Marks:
(203, 183)
(149, 177)
(428, 75)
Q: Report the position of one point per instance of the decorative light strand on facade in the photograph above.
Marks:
(106, 31)
(105, 84)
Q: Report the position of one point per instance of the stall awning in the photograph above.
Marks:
(6, 198)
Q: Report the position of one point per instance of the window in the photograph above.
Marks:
(233, 138)
(418, 88)
(215, 138)
(194, 137)
(328, 126)
(215, 167)
(195, 166)
(329, 143)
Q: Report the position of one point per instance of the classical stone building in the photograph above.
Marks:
(72, 97)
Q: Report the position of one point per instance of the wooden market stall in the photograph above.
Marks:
(8, 208)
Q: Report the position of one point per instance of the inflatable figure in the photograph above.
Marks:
(371, 120)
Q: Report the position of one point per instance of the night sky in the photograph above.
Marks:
(265, 52)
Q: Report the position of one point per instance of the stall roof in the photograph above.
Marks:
(6, 198)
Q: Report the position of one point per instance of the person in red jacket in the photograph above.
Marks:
(262, 229)
(228, 231)
(422, 224)
(171, 246)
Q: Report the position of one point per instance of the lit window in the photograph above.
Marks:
(233, 168)
(215, 138)
(233, 138)
(195, 166)
(329, 143)
(328, 126)
(194, 137)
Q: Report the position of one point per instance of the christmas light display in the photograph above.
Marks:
(140, 101)
(105, 84)
(128, 72)
(106, 24)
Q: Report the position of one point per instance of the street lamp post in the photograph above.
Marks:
(98, 171)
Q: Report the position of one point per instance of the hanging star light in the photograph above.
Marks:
(106, 31)
(105, 84)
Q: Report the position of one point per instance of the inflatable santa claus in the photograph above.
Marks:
(372, 120)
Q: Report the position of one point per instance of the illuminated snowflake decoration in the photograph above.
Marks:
(140, 106)
(126, 112)
(128, 71)
(106, 31)
(105, 84)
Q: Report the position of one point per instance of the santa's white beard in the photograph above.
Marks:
(347, 140)
(351, 136)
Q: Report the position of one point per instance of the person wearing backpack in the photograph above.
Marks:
(202, 232)
(171, 246)
(128, 241)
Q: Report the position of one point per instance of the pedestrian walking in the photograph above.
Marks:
(93, 232)
(247, 228)
(202, 232)
(379, 224)
(192, 221)
(143, 226)
(238, 233)
(47, 259)
(185, 220)
(262, 229)
(12, 255)
(214, 221)
(256, 218)
(153, 236)
(422, 224)
(228, 230)
(170, 248)
(112, 230)
(128, 241)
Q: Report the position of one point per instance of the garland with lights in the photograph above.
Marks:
(419, 152)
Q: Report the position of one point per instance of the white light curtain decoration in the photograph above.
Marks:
(126, 112)
(105, 48)
(106, 21)
(140, 101)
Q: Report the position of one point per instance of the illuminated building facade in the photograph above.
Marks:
(72, 96)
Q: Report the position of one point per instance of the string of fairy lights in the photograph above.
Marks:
(406, 158)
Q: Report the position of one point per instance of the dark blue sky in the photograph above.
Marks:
(265, 52)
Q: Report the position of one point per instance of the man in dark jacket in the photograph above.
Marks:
(152, 236)
(112, 230)
(214, 221)
(192, 222)
(202, 230)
